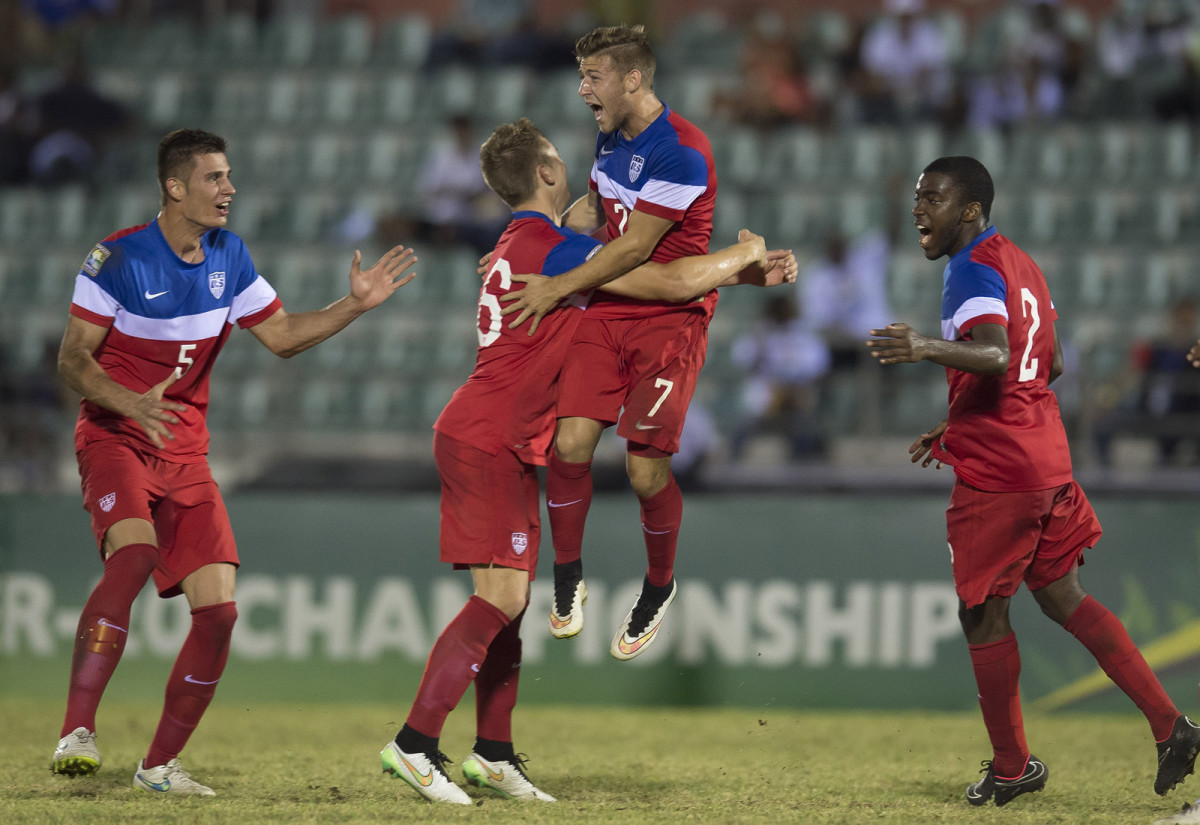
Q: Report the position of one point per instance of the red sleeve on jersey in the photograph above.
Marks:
(121, 233)
(262, 315)
(91, 317)
(659, 211)
(982, 319)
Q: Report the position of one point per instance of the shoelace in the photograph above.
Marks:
(643, 612)
(439, 761)
(564, 595)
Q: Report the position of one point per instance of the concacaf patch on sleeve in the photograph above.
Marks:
(95, 260)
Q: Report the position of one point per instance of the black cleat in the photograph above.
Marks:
(1032, 779)
(1177, 755)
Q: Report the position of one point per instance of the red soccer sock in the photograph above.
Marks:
(496, 684)
(568, 497)
(102, 631)
(193, 680)
(997, 675)
(662, 514)
(457, 656)
(1105, 637)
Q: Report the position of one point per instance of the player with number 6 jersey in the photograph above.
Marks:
(1016, 514)
(487, 444)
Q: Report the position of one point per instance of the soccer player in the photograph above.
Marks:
(1016, 514)
(633, 363)
(488, 442)
(152, 307)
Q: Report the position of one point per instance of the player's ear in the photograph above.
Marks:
(633, 79)
(545, 174)
(972, 212)
(175, 188)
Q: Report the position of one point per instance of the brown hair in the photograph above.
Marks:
(180, 148)
(509, 159)
(627, 47)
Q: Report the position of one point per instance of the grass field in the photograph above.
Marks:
(318, 763)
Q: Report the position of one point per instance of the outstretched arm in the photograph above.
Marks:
(79, 370)
(287, 334)
(747, 261)
(615, 258)
(986, 353)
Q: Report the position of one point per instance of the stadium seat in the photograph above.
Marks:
(392, 99)
(404, 43)
(288, 40)
(343, 41)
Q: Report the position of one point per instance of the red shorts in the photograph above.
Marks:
(998, 540)
(181, 501)
(489, 512)
(648, 366)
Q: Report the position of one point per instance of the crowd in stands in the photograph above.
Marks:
(1015, 64)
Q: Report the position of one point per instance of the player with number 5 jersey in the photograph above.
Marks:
(152, 307)
(1016, 514)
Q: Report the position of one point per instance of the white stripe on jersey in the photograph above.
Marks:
(91, 297)
(972, 308)
(252, 299)
(659, 192)
(184, 328)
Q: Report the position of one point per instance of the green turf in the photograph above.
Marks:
(318, 763)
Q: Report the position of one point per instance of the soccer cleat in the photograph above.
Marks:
(425, 772)
(1177, 755)
(169, 778)
(641, 624)
(1190, 813)
(570, 595)
(76, 754)
(1032, 779)
(504, 777)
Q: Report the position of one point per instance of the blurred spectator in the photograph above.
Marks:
(496, 32)
(784, 360)
(905, 65)
(1022, 90)
(845, 293)
(697, 441)
(457, 206)
(76, 123)
(1158, 394)
(774, 90)
(34, 415)
(1181, 100)
(17, 125)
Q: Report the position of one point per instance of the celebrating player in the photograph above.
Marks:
(487, 444)
(633, 363)
(1016, 514)
(152, 307)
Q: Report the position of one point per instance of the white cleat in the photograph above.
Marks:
(641, 624)
(1190, 813)
(566, 625)
(169, 779)
(76, 754)
(425, 772)
(505, 778)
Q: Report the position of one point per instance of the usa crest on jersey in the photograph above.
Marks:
(216, 284)
(635, 167)
(520, 541)
(108, 502)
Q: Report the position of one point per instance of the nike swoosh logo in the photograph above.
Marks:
(492, 775)
(426, 779)
(557, 623)
(626, 647)
(654, 532)
(641, 426)
(189, 678)
(151, 296)
(475, 668)
(562, 503)
(165, 785)
(606, 152)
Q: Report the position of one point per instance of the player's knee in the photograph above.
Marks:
(217, 619)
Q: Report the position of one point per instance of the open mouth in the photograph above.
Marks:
(926, 234)
(223, 208)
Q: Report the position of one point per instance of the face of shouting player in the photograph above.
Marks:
(606, 91)
(205, 196)
(945, 222)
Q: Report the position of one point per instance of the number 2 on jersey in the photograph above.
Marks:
(1029, 306)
